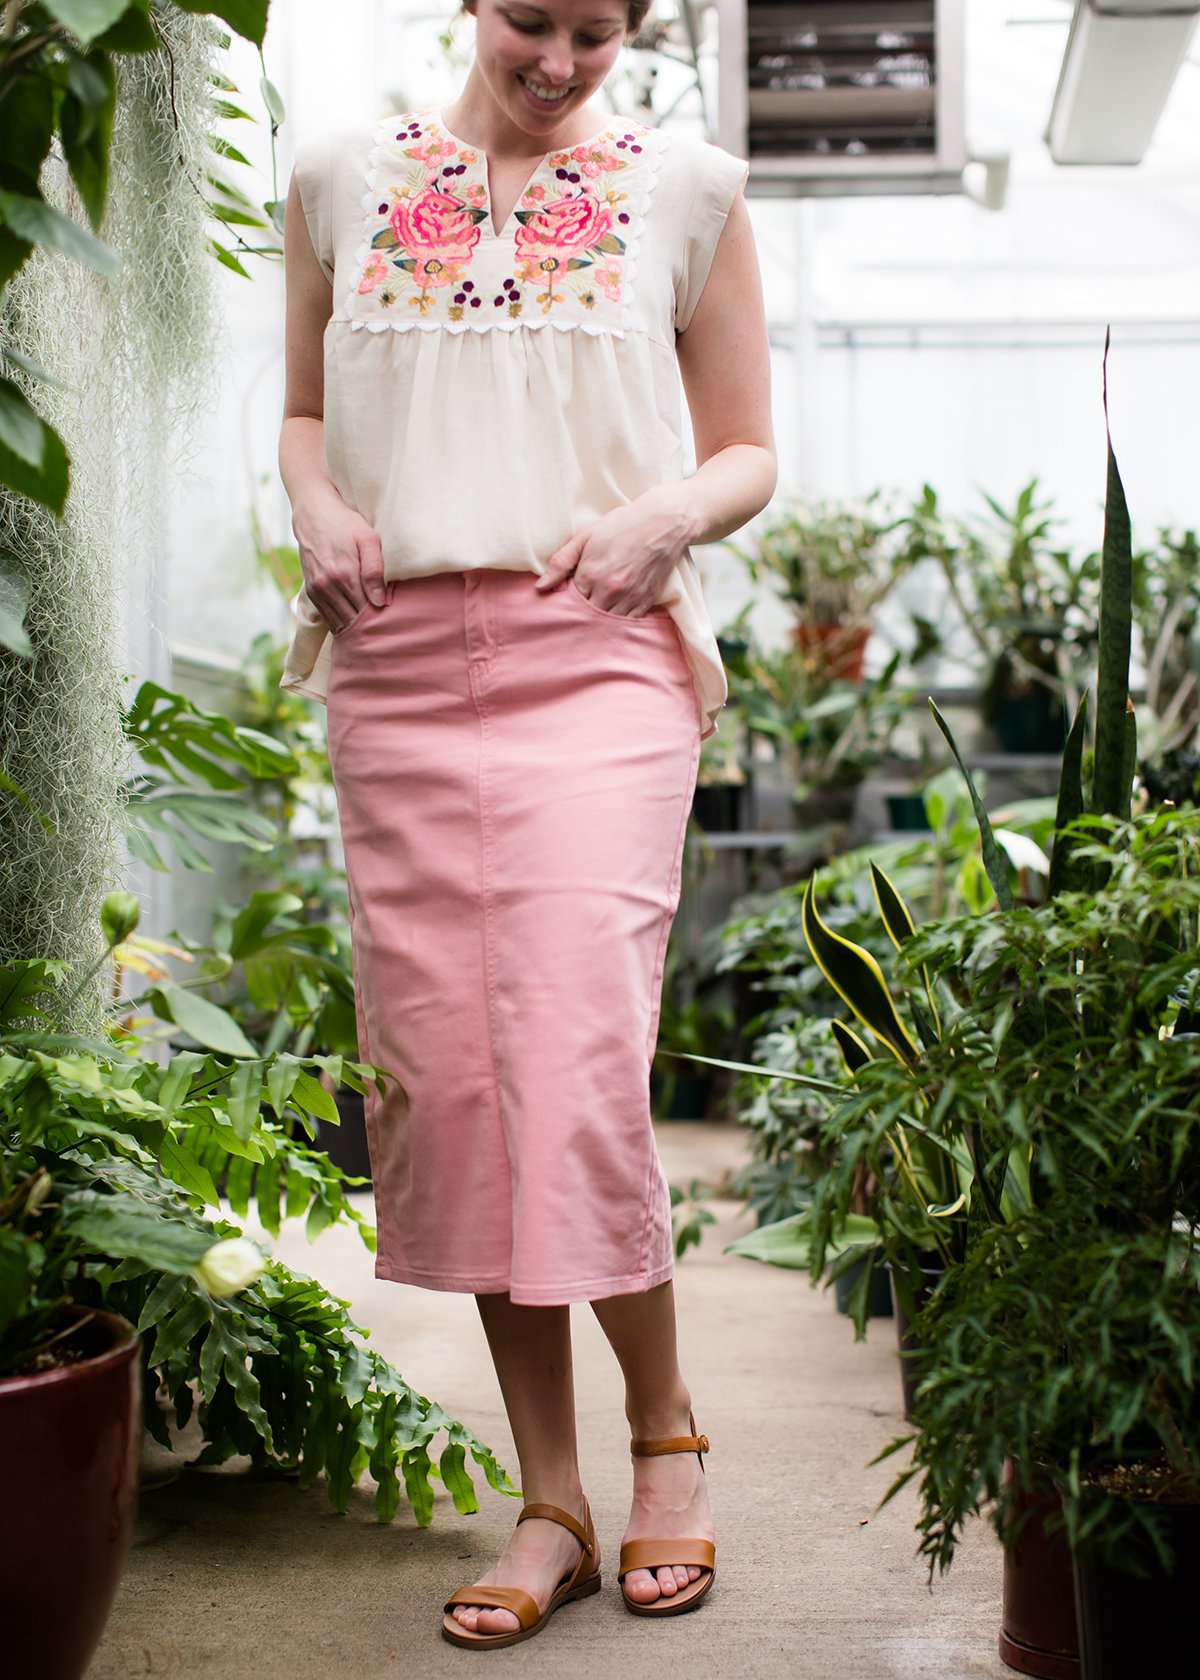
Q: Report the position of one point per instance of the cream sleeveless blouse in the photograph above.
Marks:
(489, 393)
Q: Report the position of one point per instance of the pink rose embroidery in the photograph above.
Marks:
(563, 225)
(435, 222)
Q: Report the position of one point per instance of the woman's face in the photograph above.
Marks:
(551, 44)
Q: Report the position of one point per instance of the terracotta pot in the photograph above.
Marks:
(1038, 1634)
(841, 646)
(70, 1438)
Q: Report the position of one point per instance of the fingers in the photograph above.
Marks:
(343, 570)
(370, 566)
(562, 562)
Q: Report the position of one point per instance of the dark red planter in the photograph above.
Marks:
(1038, 1633)
(69, 1444)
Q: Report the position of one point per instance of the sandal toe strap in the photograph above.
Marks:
(516, 1599)
(653, 1554)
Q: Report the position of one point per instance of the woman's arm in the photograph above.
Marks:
(340, 555)
(724, 361)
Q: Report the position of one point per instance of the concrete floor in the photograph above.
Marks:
(233, 1578)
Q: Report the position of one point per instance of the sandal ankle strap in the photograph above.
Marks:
(646, 1447)
(555, 1513)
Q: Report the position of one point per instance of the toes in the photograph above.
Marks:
(497, 1621)
(641, 1586)
(693, 1572)
(666, 1581)
(483, 1619)
(681, 1575)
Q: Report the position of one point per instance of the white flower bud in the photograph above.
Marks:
(229, 1265)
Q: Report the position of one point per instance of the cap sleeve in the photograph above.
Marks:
(313, 180)
(718, 177)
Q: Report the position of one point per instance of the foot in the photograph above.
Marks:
(670, 1497)
(539, 1553)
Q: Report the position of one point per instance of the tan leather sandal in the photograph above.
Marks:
(579, 1582)
(654, 1553)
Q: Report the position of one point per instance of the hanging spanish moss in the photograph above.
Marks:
(135, 355)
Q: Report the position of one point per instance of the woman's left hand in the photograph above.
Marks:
(623, 560)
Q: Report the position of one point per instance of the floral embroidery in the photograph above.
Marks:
(431, 255)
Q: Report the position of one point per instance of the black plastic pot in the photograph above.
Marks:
(910, 1345)
(690, 1097)
(1132, 1626)
(1038, 1634)
(346, 1145)
(879, 1291)
(718, 807)
(906, 812)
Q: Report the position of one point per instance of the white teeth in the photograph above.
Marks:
(544, 93)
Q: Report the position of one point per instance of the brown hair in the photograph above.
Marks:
(635, 14)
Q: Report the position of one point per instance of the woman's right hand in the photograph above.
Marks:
(341, 557)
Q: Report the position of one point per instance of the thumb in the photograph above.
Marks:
(562, 562)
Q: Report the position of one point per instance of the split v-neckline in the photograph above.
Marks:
(489, 224)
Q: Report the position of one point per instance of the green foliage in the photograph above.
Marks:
(1071, 1332)
(108, 1161)
(58, 80)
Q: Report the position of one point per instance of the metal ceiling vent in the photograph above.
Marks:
(832, 97)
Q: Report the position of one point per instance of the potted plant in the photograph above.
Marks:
(1028, 606)
(1064, 1344)
(70, 1368)
(1059, 1090)
(117, 1288)
(723, 779)
(834, 562)
(828, 733)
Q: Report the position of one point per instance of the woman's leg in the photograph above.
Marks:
(670, 1491)
(531, 1350)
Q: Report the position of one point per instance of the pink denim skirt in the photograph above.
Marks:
(514, 774)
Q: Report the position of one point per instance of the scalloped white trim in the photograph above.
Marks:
(484, 326)
(653, 141)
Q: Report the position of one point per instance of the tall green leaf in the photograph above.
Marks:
(1070, 801)
(247, 17)
(994, 860)
(1110, 791)
(857, 979)
(87, 19)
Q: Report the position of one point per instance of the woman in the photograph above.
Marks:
(489, 308)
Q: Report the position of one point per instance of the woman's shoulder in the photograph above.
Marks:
(323, 155)
(701, 163)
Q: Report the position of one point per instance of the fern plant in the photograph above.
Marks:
(104, 1184)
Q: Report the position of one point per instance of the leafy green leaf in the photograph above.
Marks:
(86, 19)
(48, 485)
(20, 428)
(247, 17)
(33, 219)
(205, 1021)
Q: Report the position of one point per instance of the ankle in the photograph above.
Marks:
(665, 1415)
(554, 1487)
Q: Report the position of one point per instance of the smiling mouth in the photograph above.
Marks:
(555, 96)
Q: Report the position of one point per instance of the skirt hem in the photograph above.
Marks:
(534, 1295)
